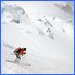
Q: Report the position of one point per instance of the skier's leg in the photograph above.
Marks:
(18, 58)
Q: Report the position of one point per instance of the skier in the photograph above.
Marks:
(19, 52)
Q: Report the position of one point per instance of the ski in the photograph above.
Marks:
(24, 64)
(10, 61)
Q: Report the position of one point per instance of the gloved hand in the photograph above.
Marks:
(24, 53)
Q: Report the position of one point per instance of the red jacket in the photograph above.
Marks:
(21, 51)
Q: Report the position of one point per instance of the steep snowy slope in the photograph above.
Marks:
(42, 52)
(49, 43)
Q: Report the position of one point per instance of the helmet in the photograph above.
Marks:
(24, 49)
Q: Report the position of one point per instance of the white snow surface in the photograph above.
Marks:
(44, 53)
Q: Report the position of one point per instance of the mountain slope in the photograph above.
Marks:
(49, 43)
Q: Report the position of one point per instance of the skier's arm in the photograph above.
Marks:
(14, 52)
(24, 53)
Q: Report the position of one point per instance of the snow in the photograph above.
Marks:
(44, 53)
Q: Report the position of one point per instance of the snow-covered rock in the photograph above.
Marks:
(13, 13)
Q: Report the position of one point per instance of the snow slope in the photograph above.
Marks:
(49, 43)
